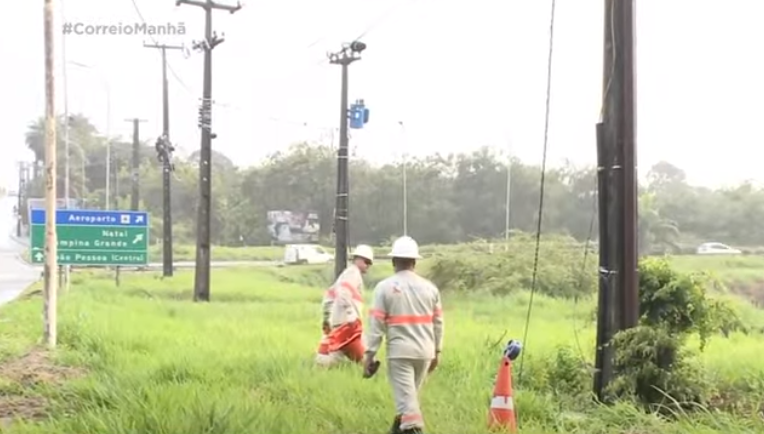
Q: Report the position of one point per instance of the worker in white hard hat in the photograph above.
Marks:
(342, 309)
(407, 311)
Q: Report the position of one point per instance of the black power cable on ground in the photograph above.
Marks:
(547, 111)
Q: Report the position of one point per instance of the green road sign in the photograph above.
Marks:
(89, 237)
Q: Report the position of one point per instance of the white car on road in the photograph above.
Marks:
(716, 249)
(295, 254)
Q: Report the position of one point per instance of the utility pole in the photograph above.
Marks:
(347, 55)
(211, 40)
(164, 154)
(619, 291)
(135, 196)
(51, 241)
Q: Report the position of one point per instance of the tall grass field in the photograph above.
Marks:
(141, 358)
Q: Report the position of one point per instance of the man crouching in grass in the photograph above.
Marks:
(343, 305)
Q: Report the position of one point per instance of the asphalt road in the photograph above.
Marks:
(216, 264)
(15, 274)
(21, 244)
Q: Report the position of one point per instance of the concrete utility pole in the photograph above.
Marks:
(135, 196)
(619, 291)
(51, 241)
(164, 151)
(347, 55)
(211, 40)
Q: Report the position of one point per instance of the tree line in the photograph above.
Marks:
(451, 198)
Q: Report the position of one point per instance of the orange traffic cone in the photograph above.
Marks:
(501, 414)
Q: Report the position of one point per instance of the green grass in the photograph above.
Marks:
(157, 363)
(184, 252)
(738, 275)
(742, 269)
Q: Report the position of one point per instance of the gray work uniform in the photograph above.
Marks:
(342, 303)
(407, 311)
(351, 279)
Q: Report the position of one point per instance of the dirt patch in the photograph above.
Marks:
(21, 407)
(36, 368)
(33, 369)
(753, 291)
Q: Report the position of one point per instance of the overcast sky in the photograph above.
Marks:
(458, 74)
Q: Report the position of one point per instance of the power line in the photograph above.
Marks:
(155, 42)
(542, 182)
(374, 24)
(322, 62)
(382, 18)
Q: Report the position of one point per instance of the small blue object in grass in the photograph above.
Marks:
(513, 349)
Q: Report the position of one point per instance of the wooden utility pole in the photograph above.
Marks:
(619, 291)
(204, 211)
(51, 242)
(164, 153)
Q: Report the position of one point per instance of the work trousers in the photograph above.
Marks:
(353, 351)
(406, 378)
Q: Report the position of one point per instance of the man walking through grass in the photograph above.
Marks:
(407, 312)
(342, 308)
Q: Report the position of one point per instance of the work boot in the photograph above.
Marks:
(396, 428)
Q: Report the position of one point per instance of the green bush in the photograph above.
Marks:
(509, 267)
(651, 359)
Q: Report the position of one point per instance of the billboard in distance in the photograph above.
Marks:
(293, 227)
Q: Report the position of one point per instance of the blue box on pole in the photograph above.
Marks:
(356, 117)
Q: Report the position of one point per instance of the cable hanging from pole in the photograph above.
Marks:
(542, 182)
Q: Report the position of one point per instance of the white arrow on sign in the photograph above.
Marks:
(138, 238)
(38, 256)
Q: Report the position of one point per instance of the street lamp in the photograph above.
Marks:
(405, 191)
(107, 89)
(509, 190)
(83, 161)
(66, 126)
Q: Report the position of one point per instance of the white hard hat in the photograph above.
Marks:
(363, 251)
(405, 247)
